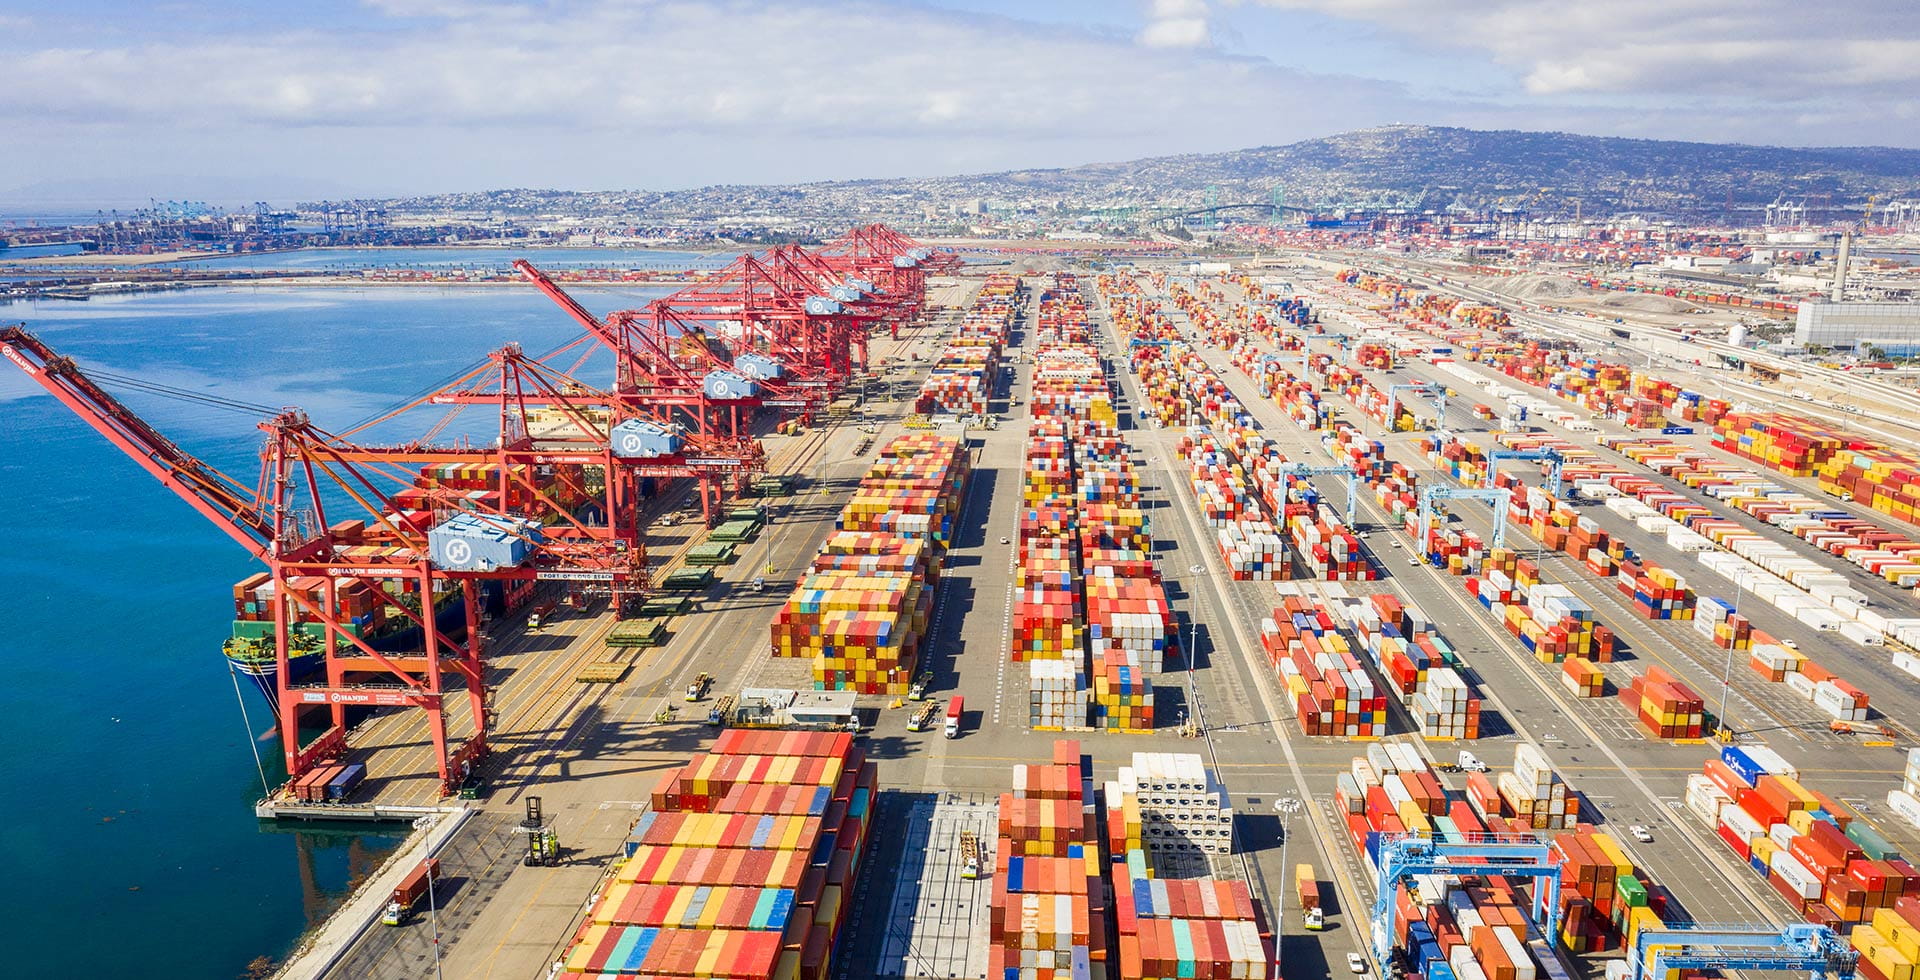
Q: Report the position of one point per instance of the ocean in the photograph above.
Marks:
(127, 774)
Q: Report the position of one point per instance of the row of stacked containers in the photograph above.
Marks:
(1264, 516)
(1809, 590)
(1071, 902)
(964, 374)
(1549, 620)
(1820, 855)
(742, 867)
(1091, 617)
(863, 605)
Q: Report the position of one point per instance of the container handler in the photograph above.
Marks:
(923, 717)
(970, 863)
(702, 683)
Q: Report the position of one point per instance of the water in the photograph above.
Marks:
(126, 778)
(338, 259)
(10, 254)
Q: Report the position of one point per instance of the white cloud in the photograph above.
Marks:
(1176, 24)
(714, 65)
(1761, 50)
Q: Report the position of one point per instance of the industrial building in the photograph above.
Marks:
(1893, 327)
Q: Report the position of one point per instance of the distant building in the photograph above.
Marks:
(1893, 327)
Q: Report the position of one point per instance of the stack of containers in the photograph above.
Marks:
(1603, 897)
(1824, 859)
(742, 868)
(1472, 927)
(962, 378)
(1665, 707)
(1535, 793)
(1884, 479)
(1905, 801)
(1331, 691)
(1326, 545)
(1415, 662)
(1583, 678)
(1046, 919)
(861, 621)
(1166, 808)
(1716, 619)
(1790, 444)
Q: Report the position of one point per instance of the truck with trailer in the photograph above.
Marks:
(410, 891)
(955, 709)
(1307, 885)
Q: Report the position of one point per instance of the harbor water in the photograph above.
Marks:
(127, 774)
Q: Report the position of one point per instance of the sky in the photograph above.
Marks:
(233, 101)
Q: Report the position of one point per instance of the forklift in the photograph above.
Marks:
(543, 844)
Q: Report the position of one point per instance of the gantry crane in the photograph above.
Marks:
(1417, 387)
(1813, 950)
(1499, 497)
(699, 411)
(1551, 457)
(1403, 856)
(420, 560)
(1352, 478)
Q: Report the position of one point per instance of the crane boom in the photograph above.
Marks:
(218, 497)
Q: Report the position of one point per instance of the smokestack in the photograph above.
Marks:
(1840, 267)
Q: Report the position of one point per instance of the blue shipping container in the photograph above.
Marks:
(342, 786)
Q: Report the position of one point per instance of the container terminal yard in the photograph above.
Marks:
(860, 612)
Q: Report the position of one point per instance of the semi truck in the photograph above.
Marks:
(954, 711)
(410, 891)
(1308, 886)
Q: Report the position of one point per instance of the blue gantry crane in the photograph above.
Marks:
(1499, 497)
(1402, 856)
(1550, 456)
(1803, 947)
(1352, 478)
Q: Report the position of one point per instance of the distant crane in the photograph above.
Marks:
(1352, 478)
(1551, 457)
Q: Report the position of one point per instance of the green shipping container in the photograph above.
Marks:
(1877, 847)
(1631, 891)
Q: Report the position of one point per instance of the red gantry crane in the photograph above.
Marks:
(394, 594)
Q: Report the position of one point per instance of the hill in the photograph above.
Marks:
(1414, 167)
(1432, 167)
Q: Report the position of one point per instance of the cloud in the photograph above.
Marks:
(1176, 24)
(692, 66)
(1760, 51)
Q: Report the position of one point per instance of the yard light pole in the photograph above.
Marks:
(1286, 807)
